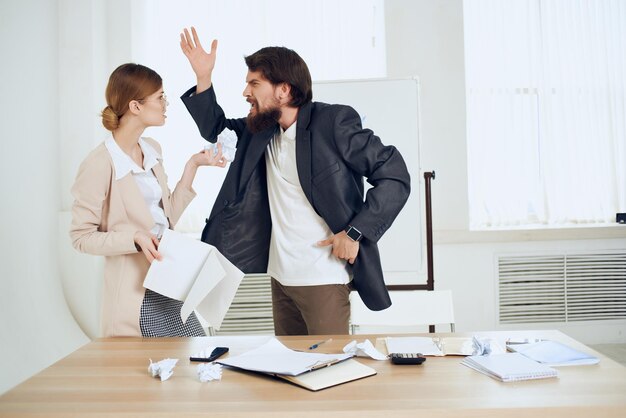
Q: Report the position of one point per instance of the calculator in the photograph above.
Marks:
(407, 358)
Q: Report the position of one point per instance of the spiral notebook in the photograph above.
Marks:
(509, 367)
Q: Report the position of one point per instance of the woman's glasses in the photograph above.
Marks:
(162, 99)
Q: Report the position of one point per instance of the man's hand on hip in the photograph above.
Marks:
(344, 247)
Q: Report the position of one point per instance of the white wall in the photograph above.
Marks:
(58, 56)
(36, 326)
(425, 38)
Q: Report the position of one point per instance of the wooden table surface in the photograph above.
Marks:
(109, 378)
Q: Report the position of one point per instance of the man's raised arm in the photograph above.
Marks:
(201, 62)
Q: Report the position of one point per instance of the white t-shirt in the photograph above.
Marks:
(145, 178)
(295, 259)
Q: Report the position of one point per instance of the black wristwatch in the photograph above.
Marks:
(353, 233)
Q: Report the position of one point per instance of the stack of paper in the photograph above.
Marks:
(274, 358)
(196, 274)
(509, 367)
(553, 353)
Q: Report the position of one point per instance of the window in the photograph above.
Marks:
(546, 112)
(338, 40)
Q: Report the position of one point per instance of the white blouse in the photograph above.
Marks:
(145, 178)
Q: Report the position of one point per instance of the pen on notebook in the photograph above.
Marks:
(314, 346)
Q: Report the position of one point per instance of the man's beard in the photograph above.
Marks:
(263, 120)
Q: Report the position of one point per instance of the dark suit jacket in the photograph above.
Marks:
(333, 154)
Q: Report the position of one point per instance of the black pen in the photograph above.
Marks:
(314, 346)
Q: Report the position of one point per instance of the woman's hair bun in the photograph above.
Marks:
(109, 119)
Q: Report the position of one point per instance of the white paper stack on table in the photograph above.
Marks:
(195, 273)
(553, 353)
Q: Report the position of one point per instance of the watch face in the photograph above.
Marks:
(354, 233)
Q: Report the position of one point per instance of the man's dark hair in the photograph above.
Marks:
(283, 65)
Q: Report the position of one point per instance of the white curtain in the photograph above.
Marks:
(546, 114)
(338, 40)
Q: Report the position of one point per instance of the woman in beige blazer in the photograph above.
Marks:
(122, 205)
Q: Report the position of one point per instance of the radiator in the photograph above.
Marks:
(562, 287)
(251, 310)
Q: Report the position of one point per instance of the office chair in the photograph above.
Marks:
(409, 310)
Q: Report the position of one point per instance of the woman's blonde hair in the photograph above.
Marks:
(127, 83)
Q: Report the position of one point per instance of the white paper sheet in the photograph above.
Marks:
(209, 371)
(196, 274)
(273, 357)
(163, 369)
(364, 349)
(228, 139)
(423, 345)
(554, 354)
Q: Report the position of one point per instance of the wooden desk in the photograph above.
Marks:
(109, 377)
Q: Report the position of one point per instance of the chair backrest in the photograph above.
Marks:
(410, 308)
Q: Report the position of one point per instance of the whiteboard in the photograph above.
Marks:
(390, 107)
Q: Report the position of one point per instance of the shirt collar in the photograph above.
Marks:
(151, 157)
(290, 133)
(124, 164)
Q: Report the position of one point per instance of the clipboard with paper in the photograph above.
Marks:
(313, 371)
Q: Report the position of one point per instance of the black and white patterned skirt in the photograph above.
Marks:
(160, 317)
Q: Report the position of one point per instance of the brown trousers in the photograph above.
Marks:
(311, 310)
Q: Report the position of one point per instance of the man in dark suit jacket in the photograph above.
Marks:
(292, 203)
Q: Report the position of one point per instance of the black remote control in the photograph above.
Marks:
(407, 358)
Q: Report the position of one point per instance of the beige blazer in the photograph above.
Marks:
(105, 216)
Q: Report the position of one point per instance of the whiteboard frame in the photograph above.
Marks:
(393, 275)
